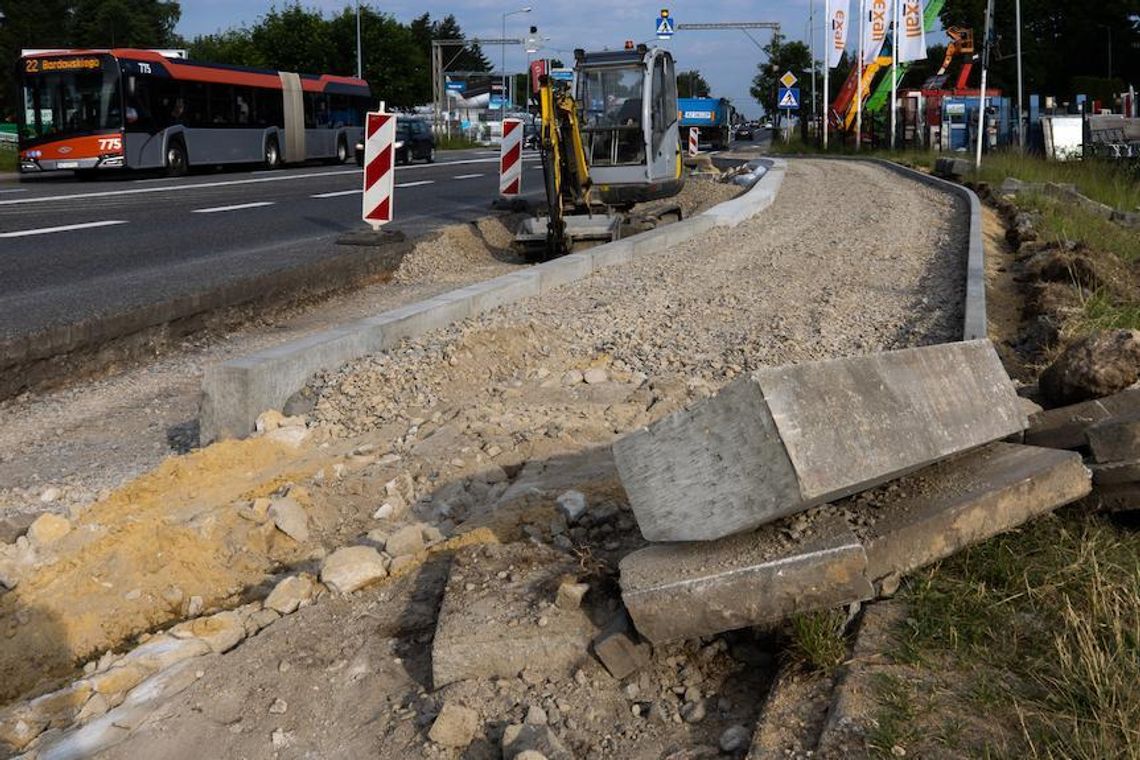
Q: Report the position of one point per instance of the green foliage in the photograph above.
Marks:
(7, 159)
(690, 84)
(817, 639)
(1100, 180)
(782, 56)
(454, 143)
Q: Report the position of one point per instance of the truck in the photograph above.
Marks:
(713, 116)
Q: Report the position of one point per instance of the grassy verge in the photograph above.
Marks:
(1046, 625)
(1113, 183)
(818, 641)
(455, 143)
(7, 160)
(911, 157)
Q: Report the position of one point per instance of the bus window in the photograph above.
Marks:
(243, 106)
(270, 108)
(221, 105)
(317, 111)
(194, 105)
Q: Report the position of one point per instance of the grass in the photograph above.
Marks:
(1061, 222)
(895, 723)
(818, 641)
(7, 160)
(1116, 184)
(1056, 610)
(443, 142)
(914, 158)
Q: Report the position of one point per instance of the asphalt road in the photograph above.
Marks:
(73, 250)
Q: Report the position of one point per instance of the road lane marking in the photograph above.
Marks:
(416, 184)
(15, 190)
(237, 207)
(63, 228)
(337, 194)
(466, 176)
(228, 183)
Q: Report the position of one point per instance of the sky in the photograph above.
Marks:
(726, 59)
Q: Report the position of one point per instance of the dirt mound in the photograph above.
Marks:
(459, 248)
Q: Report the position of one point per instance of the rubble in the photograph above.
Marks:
(290, 518)
(351, 568)
(1067, 427)
(455, 726)
(1097, 365)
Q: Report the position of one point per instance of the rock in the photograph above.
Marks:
(1098, 365)
(222, 632)
(573, 505)
(291, 593)
(570, 595)
(279, 707)
(455, 726)
(47, 529)
(268, 421)
(290, 519)
(50, 494)
(535, 716)
(573, 377)
(693, 712)
(1115, 440)
(351, 568)
(519, 739)
(406, 541)
(15, 560)
(530, 754)
(432, 534)
(735, 739)
(291, 436)
(595, 376)
(620, 654)
(194, 606)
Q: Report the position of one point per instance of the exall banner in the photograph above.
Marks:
(875, 28)
(912, 33)
(838, 39)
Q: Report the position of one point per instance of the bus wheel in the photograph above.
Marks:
(341, 151)
(272, 154)
(176, 163)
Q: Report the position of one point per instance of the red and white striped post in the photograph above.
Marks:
(510, 159)
(379, 168)
(694, 141)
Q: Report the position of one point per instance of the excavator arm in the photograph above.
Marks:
(564, 166)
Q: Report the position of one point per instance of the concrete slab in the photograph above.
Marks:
(418, 318)
(683, 591)
(968, 499)
(611, 254)
(788, 438)
(1116, 439)
(1067, 427)
(499, 291)
(1116, 473)
(498, 616)
(761, 195)
(1118, 497)
(663, 238)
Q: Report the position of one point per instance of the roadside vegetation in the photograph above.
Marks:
(7, 159)
(444, 142)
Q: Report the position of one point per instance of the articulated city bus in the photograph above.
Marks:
(91, 110)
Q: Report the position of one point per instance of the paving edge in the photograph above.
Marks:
(974, 323)
(236, 392)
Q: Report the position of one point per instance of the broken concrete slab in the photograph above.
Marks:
(788, 438)
(498, 616)
(620, 654)
(1118, 497)
(966, 500)
(1116, 473)
(1116, 439)
(1067, 427)
(683, 591)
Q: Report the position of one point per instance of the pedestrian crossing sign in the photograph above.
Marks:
(665, 25)
(789, 97)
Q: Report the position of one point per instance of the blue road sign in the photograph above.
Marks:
(789, 98)
(665, 27)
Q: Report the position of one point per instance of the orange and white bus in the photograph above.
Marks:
(94, 110)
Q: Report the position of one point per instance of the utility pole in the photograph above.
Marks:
(1020, 84)
(811, 32)
(359, 68)
(828, 42)
(503, 94)
(985, 71)
(859, 78)
(894, 72)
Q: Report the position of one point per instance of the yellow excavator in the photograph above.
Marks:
(614, 145)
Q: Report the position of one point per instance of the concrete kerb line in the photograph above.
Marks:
(236, 392)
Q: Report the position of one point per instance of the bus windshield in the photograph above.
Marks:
(69, 95)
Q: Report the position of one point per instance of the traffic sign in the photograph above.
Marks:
(789, 79)
(665, 25)
(789, 97)
(379, 168)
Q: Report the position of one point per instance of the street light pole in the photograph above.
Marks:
(503, 62)
(359, 68)
(1020, 83)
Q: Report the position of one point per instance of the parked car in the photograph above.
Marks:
(744, 132)
(414, 140)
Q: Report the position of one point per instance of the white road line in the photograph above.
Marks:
(337, 194)
(64, 228)
(416, 184)
(466, 176)
(15, 190)
(238, 207)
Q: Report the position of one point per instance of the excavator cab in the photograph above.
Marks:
(627, 102)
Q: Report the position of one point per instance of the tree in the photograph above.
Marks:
(690, 84)
(233, 46)
(782, 56)
(393, 61)
(294, 39)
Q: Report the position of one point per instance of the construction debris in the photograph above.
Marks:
(788, 438)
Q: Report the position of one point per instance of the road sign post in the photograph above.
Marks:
(510, 159)
(379, 169)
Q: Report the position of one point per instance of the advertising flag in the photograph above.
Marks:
(875, 28)
(837, 35)
(912, 35)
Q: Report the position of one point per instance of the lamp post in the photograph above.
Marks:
(359, 68)
(503, 60)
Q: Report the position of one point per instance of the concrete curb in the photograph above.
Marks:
(974, 324)
(236, 392)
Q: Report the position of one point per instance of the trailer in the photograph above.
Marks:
(713, 116)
